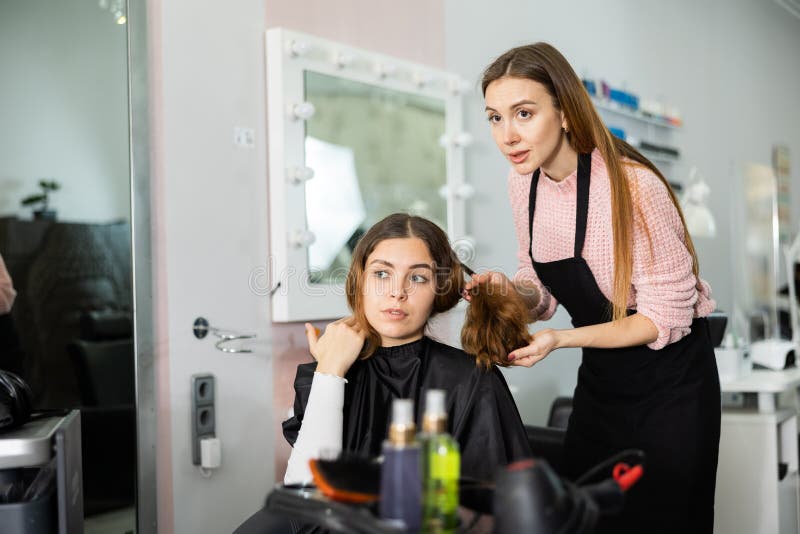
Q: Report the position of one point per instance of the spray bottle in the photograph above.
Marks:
(441, 467)
(401, 474)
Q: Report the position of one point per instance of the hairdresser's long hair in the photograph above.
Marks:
(449, 277)
(542, 63)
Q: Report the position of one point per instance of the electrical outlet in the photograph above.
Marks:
(203, 390)
(203, 412)
(205, 421)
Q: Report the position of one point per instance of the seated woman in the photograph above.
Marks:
(403, 272)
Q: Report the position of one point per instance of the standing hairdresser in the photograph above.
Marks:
(601, 233)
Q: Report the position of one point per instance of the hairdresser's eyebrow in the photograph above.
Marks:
(415, 266)
(515, 105)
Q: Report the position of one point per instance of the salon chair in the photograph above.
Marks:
(103, 360)
(547, 442)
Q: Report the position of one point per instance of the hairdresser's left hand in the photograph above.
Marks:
(544, 342)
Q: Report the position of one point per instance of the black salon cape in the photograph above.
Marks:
(483, 417)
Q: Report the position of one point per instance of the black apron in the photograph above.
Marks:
(665, 402)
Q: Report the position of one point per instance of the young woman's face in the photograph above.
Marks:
(399, 289)
(525, 124)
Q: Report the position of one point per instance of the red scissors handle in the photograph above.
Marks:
(626, 476)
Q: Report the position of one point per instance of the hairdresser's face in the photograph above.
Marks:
(525, 124)
(399, 289)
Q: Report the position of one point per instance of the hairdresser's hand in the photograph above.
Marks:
(337, 349)
(488, 276)
(544, 342)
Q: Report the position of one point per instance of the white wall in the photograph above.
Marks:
(730, 66)
(210, 232)
(63, 108)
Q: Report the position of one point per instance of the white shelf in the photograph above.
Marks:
(636, 115)
(657, 157)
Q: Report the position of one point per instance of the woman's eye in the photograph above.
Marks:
(381, 274)
(524, 114)
(493, 118)
(419, 279)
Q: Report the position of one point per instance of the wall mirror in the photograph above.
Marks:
(66, 117)
(353, 136)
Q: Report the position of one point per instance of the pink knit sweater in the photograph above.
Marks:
(663, 287)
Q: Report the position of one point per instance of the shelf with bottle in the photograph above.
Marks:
(655, 152)
(657, 157)
(612, 107)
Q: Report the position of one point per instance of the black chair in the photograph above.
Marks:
(548, 442)
(104, 369)
(267, 522)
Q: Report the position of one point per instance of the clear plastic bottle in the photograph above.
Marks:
(401, 472)
(441, 467)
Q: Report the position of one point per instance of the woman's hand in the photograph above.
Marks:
(489, 276)
(337, 349)
(544, 342)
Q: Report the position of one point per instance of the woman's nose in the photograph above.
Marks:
(399, 291)
(510, 134)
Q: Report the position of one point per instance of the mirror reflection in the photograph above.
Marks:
(65, 233)
(374, 151)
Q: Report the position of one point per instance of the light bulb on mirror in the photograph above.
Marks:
(385, 70)
(458, 86)
(302, 238)
(298, 175)
(303, 111)
(421, 79)
(297, 48)
(344, 59)
(462, 139)
(460, 192)
(464, 191)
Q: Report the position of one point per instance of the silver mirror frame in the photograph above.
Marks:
(144, 343)
(289, 55)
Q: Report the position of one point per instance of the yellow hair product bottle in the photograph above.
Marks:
(441, 467)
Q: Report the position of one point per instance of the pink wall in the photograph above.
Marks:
(409, 29)
(412, 30)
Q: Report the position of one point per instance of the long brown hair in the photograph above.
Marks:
(542, 63)
(496, 323)
(449, 277)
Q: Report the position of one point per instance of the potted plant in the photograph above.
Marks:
(42, 200)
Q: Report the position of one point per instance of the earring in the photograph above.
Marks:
(566, 130)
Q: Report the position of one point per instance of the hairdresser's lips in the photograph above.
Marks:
(394, 314)
(519, 156)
